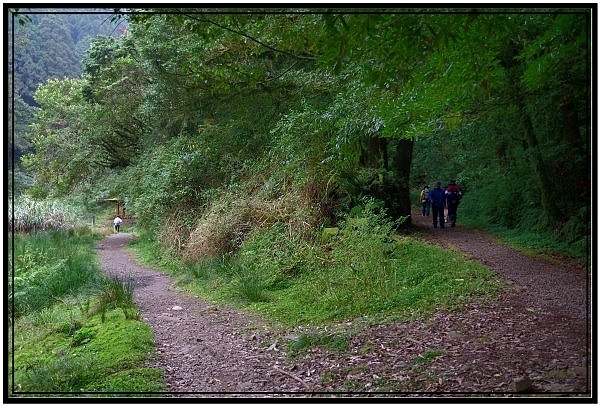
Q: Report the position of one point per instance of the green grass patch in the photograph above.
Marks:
(427, 357)
(332, 341)
(418, 280)
(93, 358)
(79, 337)
(364, 270)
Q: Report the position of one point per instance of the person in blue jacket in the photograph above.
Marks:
(438, 202)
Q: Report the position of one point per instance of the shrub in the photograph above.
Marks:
(249, 284)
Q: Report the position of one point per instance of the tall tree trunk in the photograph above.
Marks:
(393, 190)
(579, 174)
(374, 153)
(511, 64)
(571, 123)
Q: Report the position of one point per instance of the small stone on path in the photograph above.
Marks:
(522, 384)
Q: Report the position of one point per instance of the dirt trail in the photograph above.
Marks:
(538, 330)
(202, 348)
(533, 275)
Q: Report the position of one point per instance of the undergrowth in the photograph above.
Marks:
(74, 331)
(361, 268)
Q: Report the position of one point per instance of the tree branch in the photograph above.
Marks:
(204, 19)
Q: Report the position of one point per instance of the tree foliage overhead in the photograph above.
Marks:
(335, 104)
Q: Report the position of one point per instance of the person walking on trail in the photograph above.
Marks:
(117, 222)
(438, 202)
(453, 195)
(425, 200)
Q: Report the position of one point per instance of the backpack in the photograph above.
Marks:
(454, 196)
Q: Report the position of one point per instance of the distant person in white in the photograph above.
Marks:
(117, 221)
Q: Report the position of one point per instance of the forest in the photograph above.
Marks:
(296, 116)
(267, 145)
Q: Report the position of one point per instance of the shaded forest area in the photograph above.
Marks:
(215, 125)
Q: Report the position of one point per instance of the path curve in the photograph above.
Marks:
(202, 348)
(561, 287)
(538, 329)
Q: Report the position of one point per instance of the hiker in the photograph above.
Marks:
(117, 222)
(438, 202)
(453, 195)
(425, 200)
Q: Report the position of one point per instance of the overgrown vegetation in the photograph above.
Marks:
(269, 160)
(364, 269)
(74, 331)
(48, 266)
(31, 215)
(305, 103)
(116, 294)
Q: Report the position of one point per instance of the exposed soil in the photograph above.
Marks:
(532, 340)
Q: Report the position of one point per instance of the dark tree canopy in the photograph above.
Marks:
(346, 103)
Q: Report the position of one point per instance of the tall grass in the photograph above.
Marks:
(362, 268)
(48, 266)
(116, 294)
(31, 215)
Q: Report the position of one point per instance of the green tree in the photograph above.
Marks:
(51, 45)
(61, 136)
(115, 88)
(525, 127)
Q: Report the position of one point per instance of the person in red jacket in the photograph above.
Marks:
(453, 195)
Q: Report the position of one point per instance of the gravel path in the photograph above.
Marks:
(534, 338)
(203, 348)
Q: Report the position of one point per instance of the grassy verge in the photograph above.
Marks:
(73, 332)
(361, 269)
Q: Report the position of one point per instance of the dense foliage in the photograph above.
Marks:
(43, 45)
(294, 116)
(50, 45)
